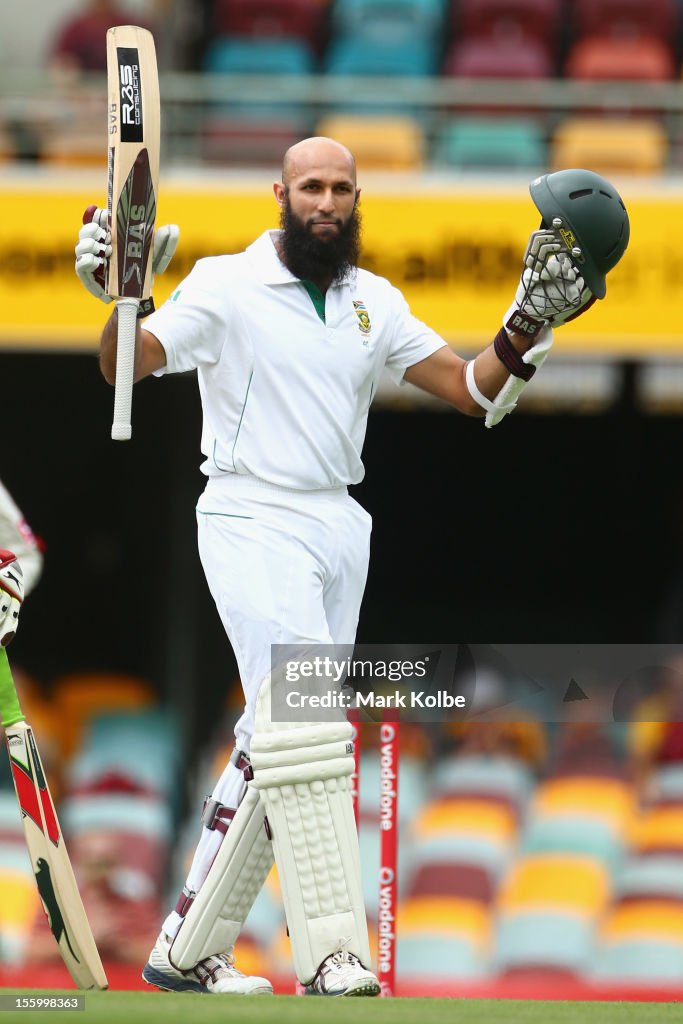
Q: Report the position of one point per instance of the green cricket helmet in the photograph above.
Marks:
(594, 222)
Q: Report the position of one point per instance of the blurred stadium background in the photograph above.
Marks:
(538, 854)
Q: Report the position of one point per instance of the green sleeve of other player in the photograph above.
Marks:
(10, 711)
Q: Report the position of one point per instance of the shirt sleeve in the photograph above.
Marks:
(412, 341)
(192, 325)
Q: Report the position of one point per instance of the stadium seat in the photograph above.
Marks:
(540, 939)
(607, 800)
(667, 781)
(142, 816)
(489, 854)
(473, 818)
(555, 882)
(468, 775)
(490, 142)
(659, 830)
(532, 18)
(411, 58)
(390, 143)
(447, 916)
(269, 18)
(492, 57)
(574, 835)
(639, 961)
(250, 141)
(650, 877)
(625, 18)
(78, 697)
(389, 21)
(605, 58)
(262, 56)
(439, 957)
(443, 878)
(658, 920)
(19, 906)
(633, 145)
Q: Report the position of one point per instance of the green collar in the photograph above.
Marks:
(317, 297)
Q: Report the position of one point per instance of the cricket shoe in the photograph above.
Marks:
(215, 974)
(342, 974)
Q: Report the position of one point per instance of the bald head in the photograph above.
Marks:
(312, 155)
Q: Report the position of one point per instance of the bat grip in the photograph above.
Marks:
(10, 710)
(127, 310)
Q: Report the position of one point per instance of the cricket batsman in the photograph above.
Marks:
(289, 339)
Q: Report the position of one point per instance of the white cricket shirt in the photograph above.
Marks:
(285, 396)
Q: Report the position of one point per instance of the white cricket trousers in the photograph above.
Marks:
(284, 567)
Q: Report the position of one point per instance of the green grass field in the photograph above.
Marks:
(153, 1007)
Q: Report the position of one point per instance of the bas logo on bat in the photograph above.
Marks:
(135, 215)
(130, 96)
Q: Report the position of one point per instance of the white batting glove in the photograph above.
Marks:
(11, 595)
(551, 290)
(94, 249)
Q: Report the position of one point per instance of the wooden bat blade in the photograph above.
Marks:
(134, 140)
(50, 862)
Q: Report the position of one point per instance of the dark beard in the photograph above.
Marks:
(311, 258)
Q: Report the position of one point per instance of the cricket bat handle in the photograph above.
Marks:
(127, 310)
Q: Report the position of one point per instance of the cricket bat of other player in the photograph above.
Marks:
(134, 127)
(50, 861)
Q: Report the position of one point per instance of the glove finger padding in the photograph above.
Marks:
(11, 595)
(94, 249)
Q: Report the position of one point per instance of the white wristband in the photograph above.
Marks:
(480, 399)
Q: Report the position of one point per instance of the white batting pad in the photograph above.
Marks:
(303, 772)
(235, 878)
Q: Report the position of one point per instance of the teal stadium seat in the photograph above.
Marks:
(487, 142)
(262, 56)
(640, 961)
(412, 786)
(441, 957)
(539, 939)
(409, 58)
(505, 777)
(389, 21)
(668, 782)
(572, 834)
(654, 877)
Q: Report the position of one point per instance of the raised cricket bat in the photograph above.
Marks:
(134, 126)
(50, 861)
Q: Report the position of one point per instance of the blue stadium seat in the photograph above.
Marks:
(491, 142)
(347, 56)
(589, 836)
(244, 56)
(493, 776)
(373, 21)
(438, 957)
(639, 962)
(412, 785)
(650, 877)
(533, 939)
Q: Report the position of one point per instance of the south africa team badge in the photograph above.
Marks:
(364, 324)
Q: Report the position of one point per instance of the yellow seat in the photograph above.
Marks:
(659, 828)
(633, 145)
(19, 901)
(610, 800)
(80, 696)
(387, 143)
(447, 916)
(651, 919)
(467, 817)
(551, 881)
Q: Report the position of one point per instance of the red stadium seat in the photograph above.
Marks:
(251, 143)
(537, 19)
(605, 58)
(625, 18)
(440, 878)
(484, 57)
(301, 18)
